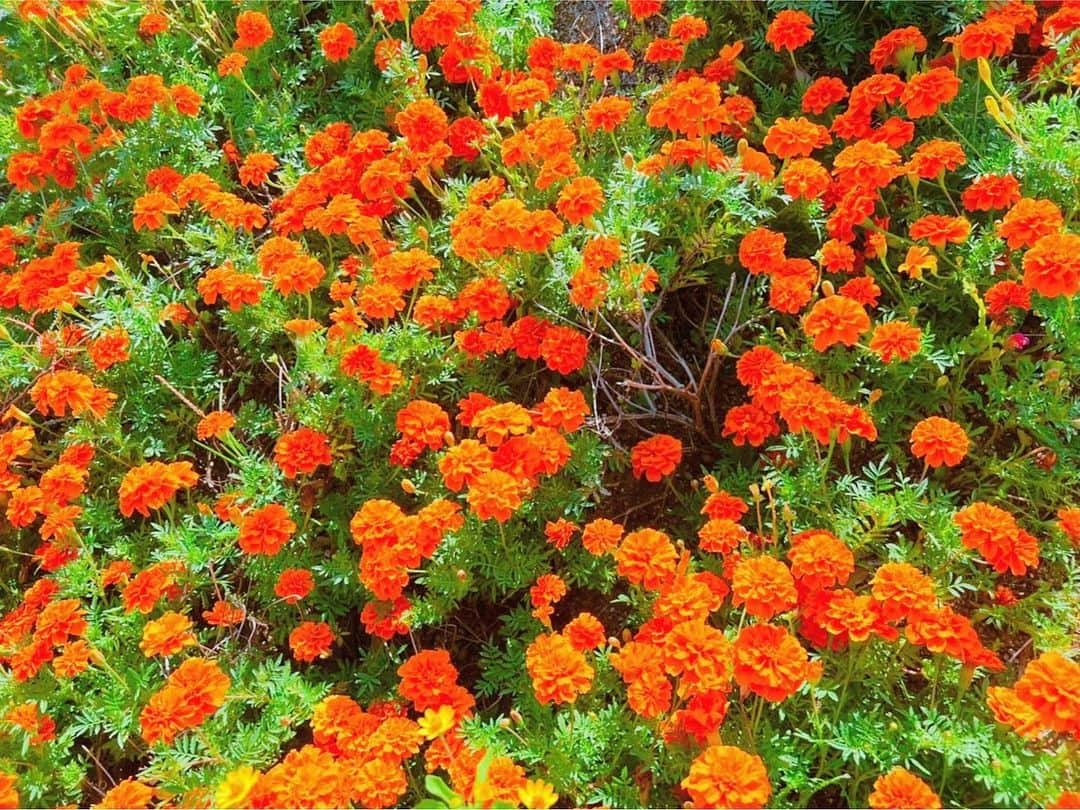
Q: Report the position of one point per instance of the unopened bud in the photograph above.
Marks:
(984, 73)
(942, 381)
(614, 643)
(626, 635)
(1007, 109)
(461, 575)
(827, 289)
(408, 487)
(788, 515)
(718, 347)
(504, 722)
(994, 109)
(711, 484)
(755, 492)
(515, 715)
(766, 486)
(448, 439)
(875, 395)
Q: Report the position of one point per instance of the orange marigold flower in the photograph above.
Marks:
(265, 530)
(1051, 686)
(935, 157)
(984, 38)
(721, 536)
(195, 690)
(991, 192)
(770, 662)
(994, 533)
(896, 340)
(564, 349)
(837, 319)
(805, 179)
(337, 41)
(423, 123)
(153, 23)
(495, 494)
(126, 795)
(925, 92)
(721, 505)
(1069, 523)
(580, 199)
(585, 632)
(231, 65)
(896, 47)
(900, 789)
(294, 584)
(643, 9)
(822, 94)
(423, 422)
(795, 137)
(109, 349)
(937, 229)
(1011, 711)
(311, 640)
(1028, 221)
(725, 776)
(302, 451)
(939, 442)
(655, 457)
(167, 635)
(918, 259)
(463, 463)
(499, 421)
(1052, 266)
(903, 590)
(790, 30)
(749, 424)
(214, 425)
(429, 681)
(59, 621)
(607, 113)
(256, 168)
(151, 209)
(252, 30)
(548, 590)
(152, 485)
(647, 558)
(559, 672)
(764, 586)
(601, 536)
(222, 614)
(819, 559)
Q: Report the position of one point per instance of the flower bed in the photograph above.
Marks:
(517, 404)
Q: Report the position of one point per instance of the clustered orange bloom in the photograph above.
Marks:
(152, 485)
(1045, 698)
(393, 542)
(194, 691)
(993, 532)
(779, 388)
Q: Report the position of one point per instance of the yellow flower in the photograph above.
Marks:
(436, 722)
(537, 794)
(236, 787)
